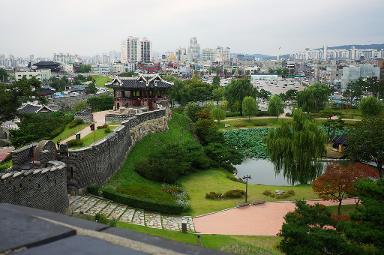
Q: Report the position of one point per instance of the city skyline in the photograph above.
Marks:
(90, 27)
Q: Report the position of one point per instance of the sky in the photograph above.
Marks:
(89, 27)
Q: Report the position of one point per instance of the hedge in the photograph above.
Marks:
(142, 203)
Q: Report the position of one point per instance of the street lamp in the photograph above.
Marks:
(246, 178)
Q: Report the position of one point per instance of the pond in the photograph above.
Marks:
(262, 171)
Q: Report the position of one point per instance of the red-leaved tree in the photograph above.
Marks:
(337, 183)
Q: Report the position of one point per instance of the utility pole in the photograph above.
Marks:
(246, 178)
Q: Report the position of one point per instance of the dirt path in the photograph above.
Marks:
(265, 219)
(98, 119)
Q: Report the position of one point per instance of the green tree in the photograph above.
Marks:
(354, 90)
(59, 84)
(366, 229)
(100, 103)
(216, 81)
(366, 142)
(223, 155)
(191, 110)
(218, 114)
(309, 230)
(218, 94)
(275, 106)
(371, 106)
(249, 106)
(3, 75)
(313, 98)
(84, 68)
(236, 91)
(295, 147)
(91, 88)
(13, 95)
(264, 94)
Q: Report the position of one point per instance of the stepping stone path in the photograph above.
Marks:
(90, 205)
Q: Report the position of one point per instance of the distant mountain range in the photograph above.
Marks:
(376, 46)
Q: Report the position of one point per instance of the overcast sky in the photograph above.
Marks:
(89, 27)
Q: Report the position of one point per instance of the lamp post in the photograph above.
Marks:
(246, 178)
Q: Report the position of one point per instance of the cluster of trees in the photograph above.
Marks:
(172, 160)
(313, 98)
(59, 84)
(3, 75)
(313, 230)
(84, 68)
(38, 126)
(356, 89)
(13, 95)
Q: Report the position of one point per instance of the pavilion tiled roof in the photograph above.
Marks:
(141, 82)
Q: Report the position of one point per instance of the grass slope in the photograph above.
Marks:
(68, 132)
(198, 184)
(231, 244)
(133, 183)
(100, 80)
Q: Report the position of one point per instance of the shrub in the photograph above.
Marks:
(213, 195)
(75, 143)
(267, 193)
(236, 193)
(103, 126)
(171, 162)
(107, 130)
(75, 123)
(101, 218)
(94, 190)
(100, 103)
(232, 114)
(142, 203)
(291, 192)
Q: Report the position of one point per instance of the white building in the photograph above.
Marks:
(134, 50)
(353, 73)
(101, 69)
(41, 74)
(193, 50)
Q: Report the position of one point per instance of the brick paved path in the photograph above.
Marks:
(90, 205)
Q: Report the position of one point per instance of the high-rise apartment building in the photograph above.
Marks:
(134, 50)
(145, 49)
(193, 50)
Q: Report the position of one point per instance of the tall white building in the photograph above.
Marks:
(352, 73)
(193, 50)
(134, 50)
(130, 50)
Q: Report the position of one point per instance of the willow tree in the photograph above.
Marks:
(295, 148)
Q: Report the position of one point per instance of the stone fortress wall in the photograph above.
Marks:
(36, 179)
(42, 176)
(97, 163)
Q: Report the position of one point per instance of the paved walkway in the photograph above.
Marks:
(265, 219)
(98, 119)
(90, 205)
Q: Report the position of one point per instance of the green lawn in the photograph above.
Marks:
(95, 136)
(244, 122)
(101, 80)
(232, 244)
(6, 164)
(68, 132)
(215, 180)
(126, 177)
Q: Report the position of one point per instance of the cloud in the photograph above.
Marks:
(42, 27)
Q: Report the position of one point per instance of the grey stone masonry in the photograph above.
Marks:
(90, 205)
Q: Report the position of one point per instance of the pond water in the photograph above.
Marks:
(262, 171)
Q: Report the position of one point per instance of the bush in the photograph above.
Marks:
(213, 195)
(232, 114)
(107, 130)
(75, 123)
(100, 103)
(236, 193)
(142, 203)
(291, 192)
(267, 193)
(75, 143)
(94, 190)
(101, 218)
(171, 162)
(103, 126)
